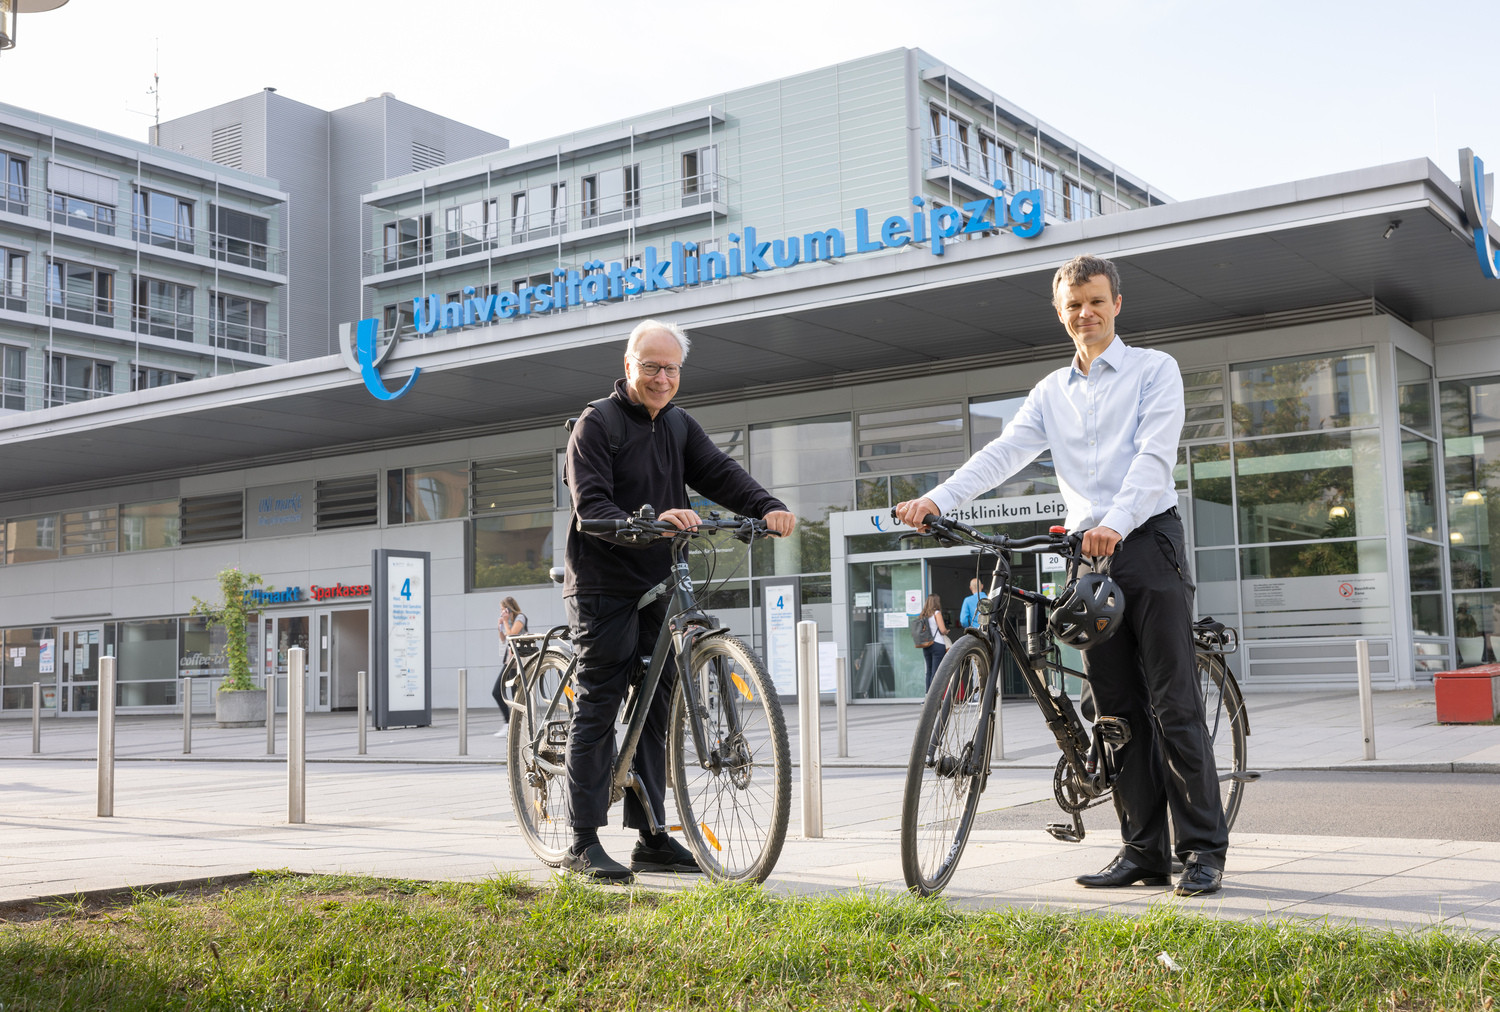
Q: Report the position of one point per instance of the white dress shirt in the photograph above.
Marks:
(1113, 434)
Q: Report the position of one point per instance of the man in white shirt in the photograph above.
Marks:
(1113, 419)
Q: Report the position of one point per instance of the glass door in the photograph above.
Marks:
(281, 632)
(884, 661)
(81, 648)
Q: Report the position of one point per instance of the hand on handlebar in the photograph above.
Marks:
(914, 512)
(683, 519)
(780, 522)
(1100, 542)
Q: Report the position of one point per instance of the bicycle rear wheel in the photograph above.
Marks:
(937, 808)
(536, 752)
(734, 800)
(1224, 716)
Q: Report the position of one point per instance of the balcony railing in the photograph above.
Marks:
(148, 232)
(985, 163)
(537, 224)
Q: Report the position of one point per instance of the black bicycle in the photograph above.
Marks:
(727, 752)
(950, 757)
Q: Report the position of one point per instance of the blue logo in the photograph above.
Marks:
(1478, 191)
(363, 359)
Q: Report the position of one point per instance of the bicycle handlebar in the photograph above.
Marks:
(638, 529)
(955, 530)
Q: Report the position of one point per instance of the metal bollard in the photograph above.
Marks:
(463, 711)
(296, 736)
(362, 707)
(36, 718)
(271, 712)
(106, 737)
(187, 716)
(1366, 696)
(811, 733)
(841, 705)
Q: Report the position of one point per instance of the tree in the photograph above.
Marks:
(234, 587)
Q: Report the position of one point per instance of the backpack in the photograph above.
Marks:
(614, 424)
(921, 632)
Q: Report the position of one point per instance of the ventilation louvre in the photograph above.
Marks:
(212, 518)
(227, 146)
(349, 502)
(425, 156)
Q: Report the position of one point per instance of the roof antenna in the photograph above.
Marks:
(155, 92)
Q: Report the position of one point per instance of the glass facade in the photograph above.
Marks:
(1470, 411)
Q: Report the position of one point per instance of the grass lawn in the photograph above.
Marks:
(288, 942)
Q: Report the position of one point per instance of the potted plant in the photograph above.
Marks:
(239, 701)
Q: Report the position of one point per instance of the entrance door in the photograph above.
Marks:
(78, 666)
(280, 632)
(349, 654)
(883, 661)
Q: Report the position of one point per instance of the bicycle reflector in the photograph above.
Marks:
(1088, 612)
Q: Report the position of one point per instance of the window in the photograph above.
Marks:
(12, 379)
(612, 195)
(163, 220)
(71, 378)
(81, 199)
(31, 539)
(89, 531)
(433, 492)
(239, 324)
(14, 195)
(163, 309)
(397, 320)
(1029, 176)
(147, 378)
(1078, 201)
(239, 238)
(807, 464)
(407, 242)
(950, 140)
(1303, 394)
(988, 417)
(471, 227)
(1051, 193)
(13, 280)
(80, 293)
(995, 159)
(1204, 394)
(539, 212)
(1470, 410)
(700, 176)
(511, 532)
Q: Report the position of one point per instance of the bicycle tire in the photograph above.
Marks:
(938, 805)
(539, 797)
(734, 809)
(1227, 727)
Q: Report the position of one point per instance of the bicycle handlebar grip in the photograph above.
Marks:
(602, 526)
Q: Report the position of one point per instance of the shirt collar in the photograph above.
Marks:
(1113, 355)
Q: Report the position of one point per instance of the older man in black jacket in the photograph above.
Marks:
(657, 456)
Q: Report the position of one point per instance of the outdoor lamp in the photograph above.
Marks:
(11, 11)
(1338, 513)
(1456, 537)
(1473, 497)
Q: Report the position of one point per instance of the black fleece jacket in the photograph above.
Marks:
(647, 470)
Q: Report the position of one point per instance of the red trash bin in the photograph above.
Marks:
(1469, 695)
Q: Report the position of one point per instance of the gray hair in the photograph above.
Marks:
(647, 326)
(1078, 270)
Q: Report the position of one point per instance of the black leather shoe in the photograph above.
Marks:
(1199, 879)
(1122, 872)
(670, 856)
(594, 863)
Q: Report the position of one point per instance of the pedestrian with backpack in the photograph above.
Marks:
(930, 632)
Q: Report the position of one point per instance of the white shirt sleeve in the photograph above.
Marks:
(1149, 477)
(1017, 445)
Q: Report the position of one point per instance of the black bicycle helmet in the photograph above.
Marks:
(1088, 612)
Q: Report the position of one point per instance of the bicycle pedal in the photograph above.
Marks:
(1064, 831)
(557, 732)
(1113, 730)
(1245, 776)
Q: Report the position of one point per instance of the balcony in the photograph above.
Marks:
(591, 220)
(972, 169)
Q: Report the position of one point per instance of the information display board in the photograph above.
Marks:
(780, 611)
(402, 658)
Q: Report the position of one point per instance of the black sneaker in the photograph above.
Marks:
(670, 856)
(594, 863)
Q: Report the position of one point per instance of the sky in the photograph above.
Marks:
(1195, 97)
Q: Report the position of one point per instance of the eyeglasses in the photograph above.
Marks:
(651, 369)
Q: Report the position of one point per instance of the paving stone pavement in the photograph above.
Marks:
(413, 807)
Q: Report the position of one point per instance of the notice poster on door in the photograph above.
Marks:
(914, 602)
(780, 608)
(403, 638)
(45, 657)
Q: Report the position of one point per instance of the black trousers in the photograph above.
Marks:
(1146, 674)
(611, 636)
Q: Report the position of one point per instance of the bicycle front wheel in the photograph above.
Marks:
(536, 753)
(1224, 717)
(734, 798)
(943, 777)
